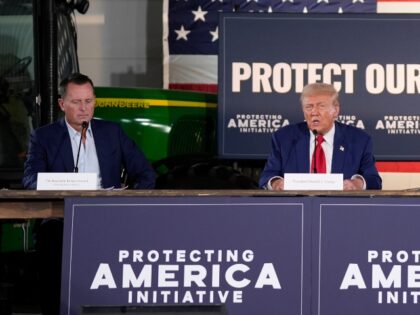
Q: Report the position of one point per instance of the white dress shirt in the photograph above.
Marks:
(88, 158)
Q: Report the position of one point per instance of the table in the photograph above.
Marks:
(27, 204)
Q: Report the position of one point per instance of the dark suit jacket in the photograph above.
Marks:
(352, 154)
(50, 151)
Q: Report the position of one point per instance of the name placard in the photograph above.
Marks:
(299, 181)
(67, 181)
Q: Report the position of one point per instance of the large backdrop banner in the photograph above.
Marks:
(254, 255)
(266, 59)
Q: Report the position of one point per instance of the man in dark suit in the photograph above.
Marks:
(346, 149)
(104, 149)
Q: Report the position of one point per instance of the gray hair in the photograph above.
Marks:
(75, 78)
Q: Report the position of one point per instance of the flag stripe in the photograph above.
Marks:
(404, 167)
(398, 1)
(209, 88)
(193, 69)
(165, 46)
(398, 7)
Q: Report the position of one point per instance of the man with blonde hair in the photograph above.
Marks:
(321, 145)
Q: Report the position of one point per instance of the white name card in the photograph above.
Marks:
(67, 181)
(299, 181)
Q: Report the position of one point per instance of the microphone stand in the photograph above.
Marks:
(84, 126)
(315, 132)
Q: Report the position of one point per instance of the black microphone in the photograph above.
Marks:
(315, 132)
(84, 126)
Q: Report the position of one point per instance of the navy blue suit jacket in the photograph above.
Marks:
(50, 151)
(352, 154)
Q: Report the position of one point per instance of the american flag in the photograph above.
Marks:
(191, 31)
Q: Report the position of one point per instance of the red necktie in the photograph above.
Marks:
(319, 156)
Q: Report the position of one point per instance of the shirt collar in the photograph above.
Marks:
(73, 132)
(329, 136)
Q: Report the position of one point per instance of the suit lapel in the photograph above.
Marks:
(339, 151)
(64, 147)
(302, 149)
(101, 141)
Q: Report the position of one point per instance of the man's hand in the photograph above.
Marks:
(353, 184)
(277, 184)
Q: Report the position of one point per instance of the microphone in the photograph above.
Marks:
(315, 132)
(84, 126)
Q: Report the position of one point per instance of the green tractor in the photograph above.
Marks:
(175, 129)
(177, 132)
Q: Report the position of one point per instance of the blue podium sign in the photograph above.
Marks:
(303, 255)
(250, 254)
(366, 256)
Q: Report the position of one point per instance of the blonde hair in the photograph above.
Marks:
(320, 89)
